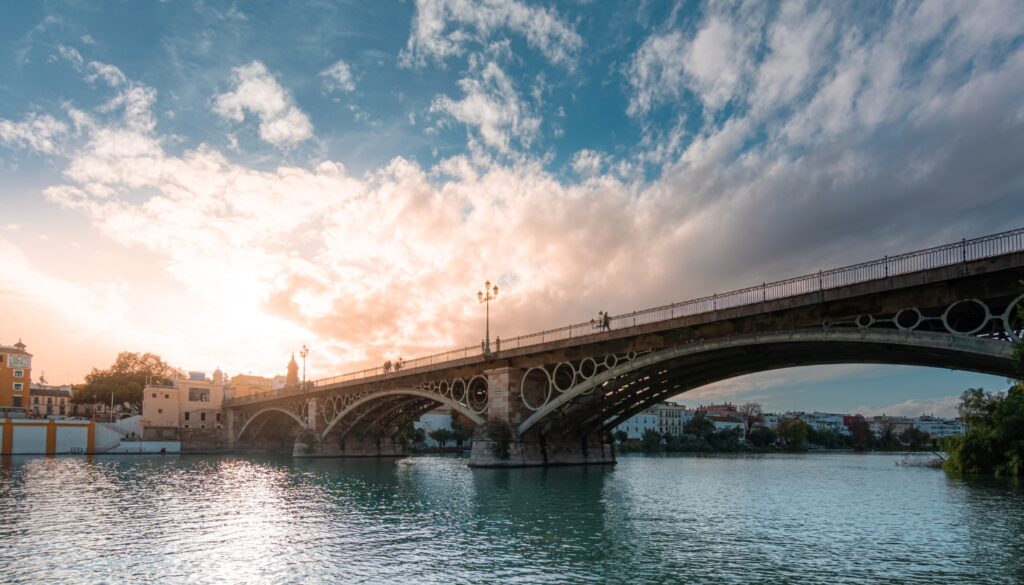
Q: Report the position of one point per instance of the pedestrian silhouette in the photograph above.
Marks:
(387, 366)
(606, 322)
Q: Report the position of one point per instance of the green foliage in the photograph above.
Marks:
(994, 442)
(621, 436)
(126, 379)
(499, 434)
(651, 441)
(793, 433)
(699, 426)
(860, 434)
(915, 439)
(761, 437)
(461, 431)
(442, 436)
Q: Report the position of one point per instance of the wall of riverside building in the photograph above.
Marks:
(57, 437)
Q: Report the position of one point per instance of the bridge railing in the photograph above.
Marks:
(936, 257)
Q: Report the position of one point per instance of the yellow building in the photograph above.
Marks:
(185, 402)
(243, 385)
(15, 376)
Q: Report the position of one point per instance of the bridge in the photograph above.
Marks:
(553, 397)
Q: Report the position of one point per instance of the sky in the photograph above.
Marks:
(221, 183)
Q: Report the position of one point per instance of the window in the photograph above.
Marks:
(198, 395)
(154, 395)
(49, 400)
(17, 401)
(167, 396)
(186, 416)
(19, 373)
(19, 386)
(218, 417)
(35, 400)
(159, 411)
(202, 416)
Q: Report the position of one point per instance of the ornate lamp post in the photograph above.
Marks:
(304, 353)
(486, 296)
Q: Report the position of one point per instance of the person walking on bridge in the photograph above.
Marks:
(606, 321)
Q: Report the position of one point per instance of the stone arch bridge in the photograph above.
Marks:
(553, 397)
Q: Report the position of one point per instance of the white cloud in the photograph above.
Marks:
(588, 163)
(713, 65)
(492, 106)
(110, 74)
(339, 77)
(37, 132)
(71, 55)
(282, 123)
(945, 407)
(442, 29)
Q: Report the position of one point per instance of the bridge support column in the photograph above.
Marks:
(231, 424)
(497, 444)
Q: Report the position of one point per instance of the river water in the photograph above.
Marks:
(817, 518)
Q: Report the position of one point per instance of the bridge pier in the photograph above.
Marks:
(496, 443)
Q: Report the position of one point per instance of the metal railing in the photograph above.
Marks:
(937, 257)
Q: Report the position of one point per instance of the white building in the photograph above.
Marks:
(727, 423)
(672, 417)
(823, 421)
(939, 428)
(639, 423)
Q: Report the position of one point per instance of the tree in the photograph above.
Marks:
(621, 436)
(887, 440)
(761, 436)
(125, 379)
(442, 436)
(461, 431)
(915, 439)
(793, 433)
(752, 413)
(651, 440)
(860, 432)
(699, 425)
(994, 442)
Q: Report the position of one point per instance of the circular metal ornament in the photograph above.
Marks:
(914, 313)
(547, 388)
(1013, 330)
(981, 325)
(864, 321)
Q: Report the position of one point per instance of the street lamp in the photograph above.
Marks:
(486, 296)
(304, 353)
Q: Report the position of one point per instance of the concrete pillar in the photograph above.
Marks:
(498, 444)
(231, 423)
(312, 420)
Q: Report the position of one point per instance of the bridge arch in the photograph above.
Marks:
(356, 409)
(631, 385)
(259, 419)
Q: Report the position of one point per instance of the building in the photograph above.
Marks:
(639, 423)
(729, 423)
(435, 420)
(15, 376)
(183, 402)
(243, 385)
(898, 424)
(938, 427)
(724, 409)
(823, 421)
(47, 400)
(672, 417)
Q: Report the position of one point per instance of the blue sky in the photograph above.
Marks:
(222, 182)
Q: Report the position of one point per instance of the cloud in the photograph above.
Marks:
(338, 77)
(823, 155)
(110, 74)
(442, 29)
(945, 407)
(282, 124)
(71, 55)
(36, 132)
(492, 106)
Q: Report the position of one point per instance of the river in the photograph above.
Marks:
(813, 518)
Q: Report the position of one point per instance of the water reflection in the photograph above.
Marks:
(826, 518)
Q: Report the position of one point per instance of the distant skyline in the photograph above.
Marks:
(220, 183)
